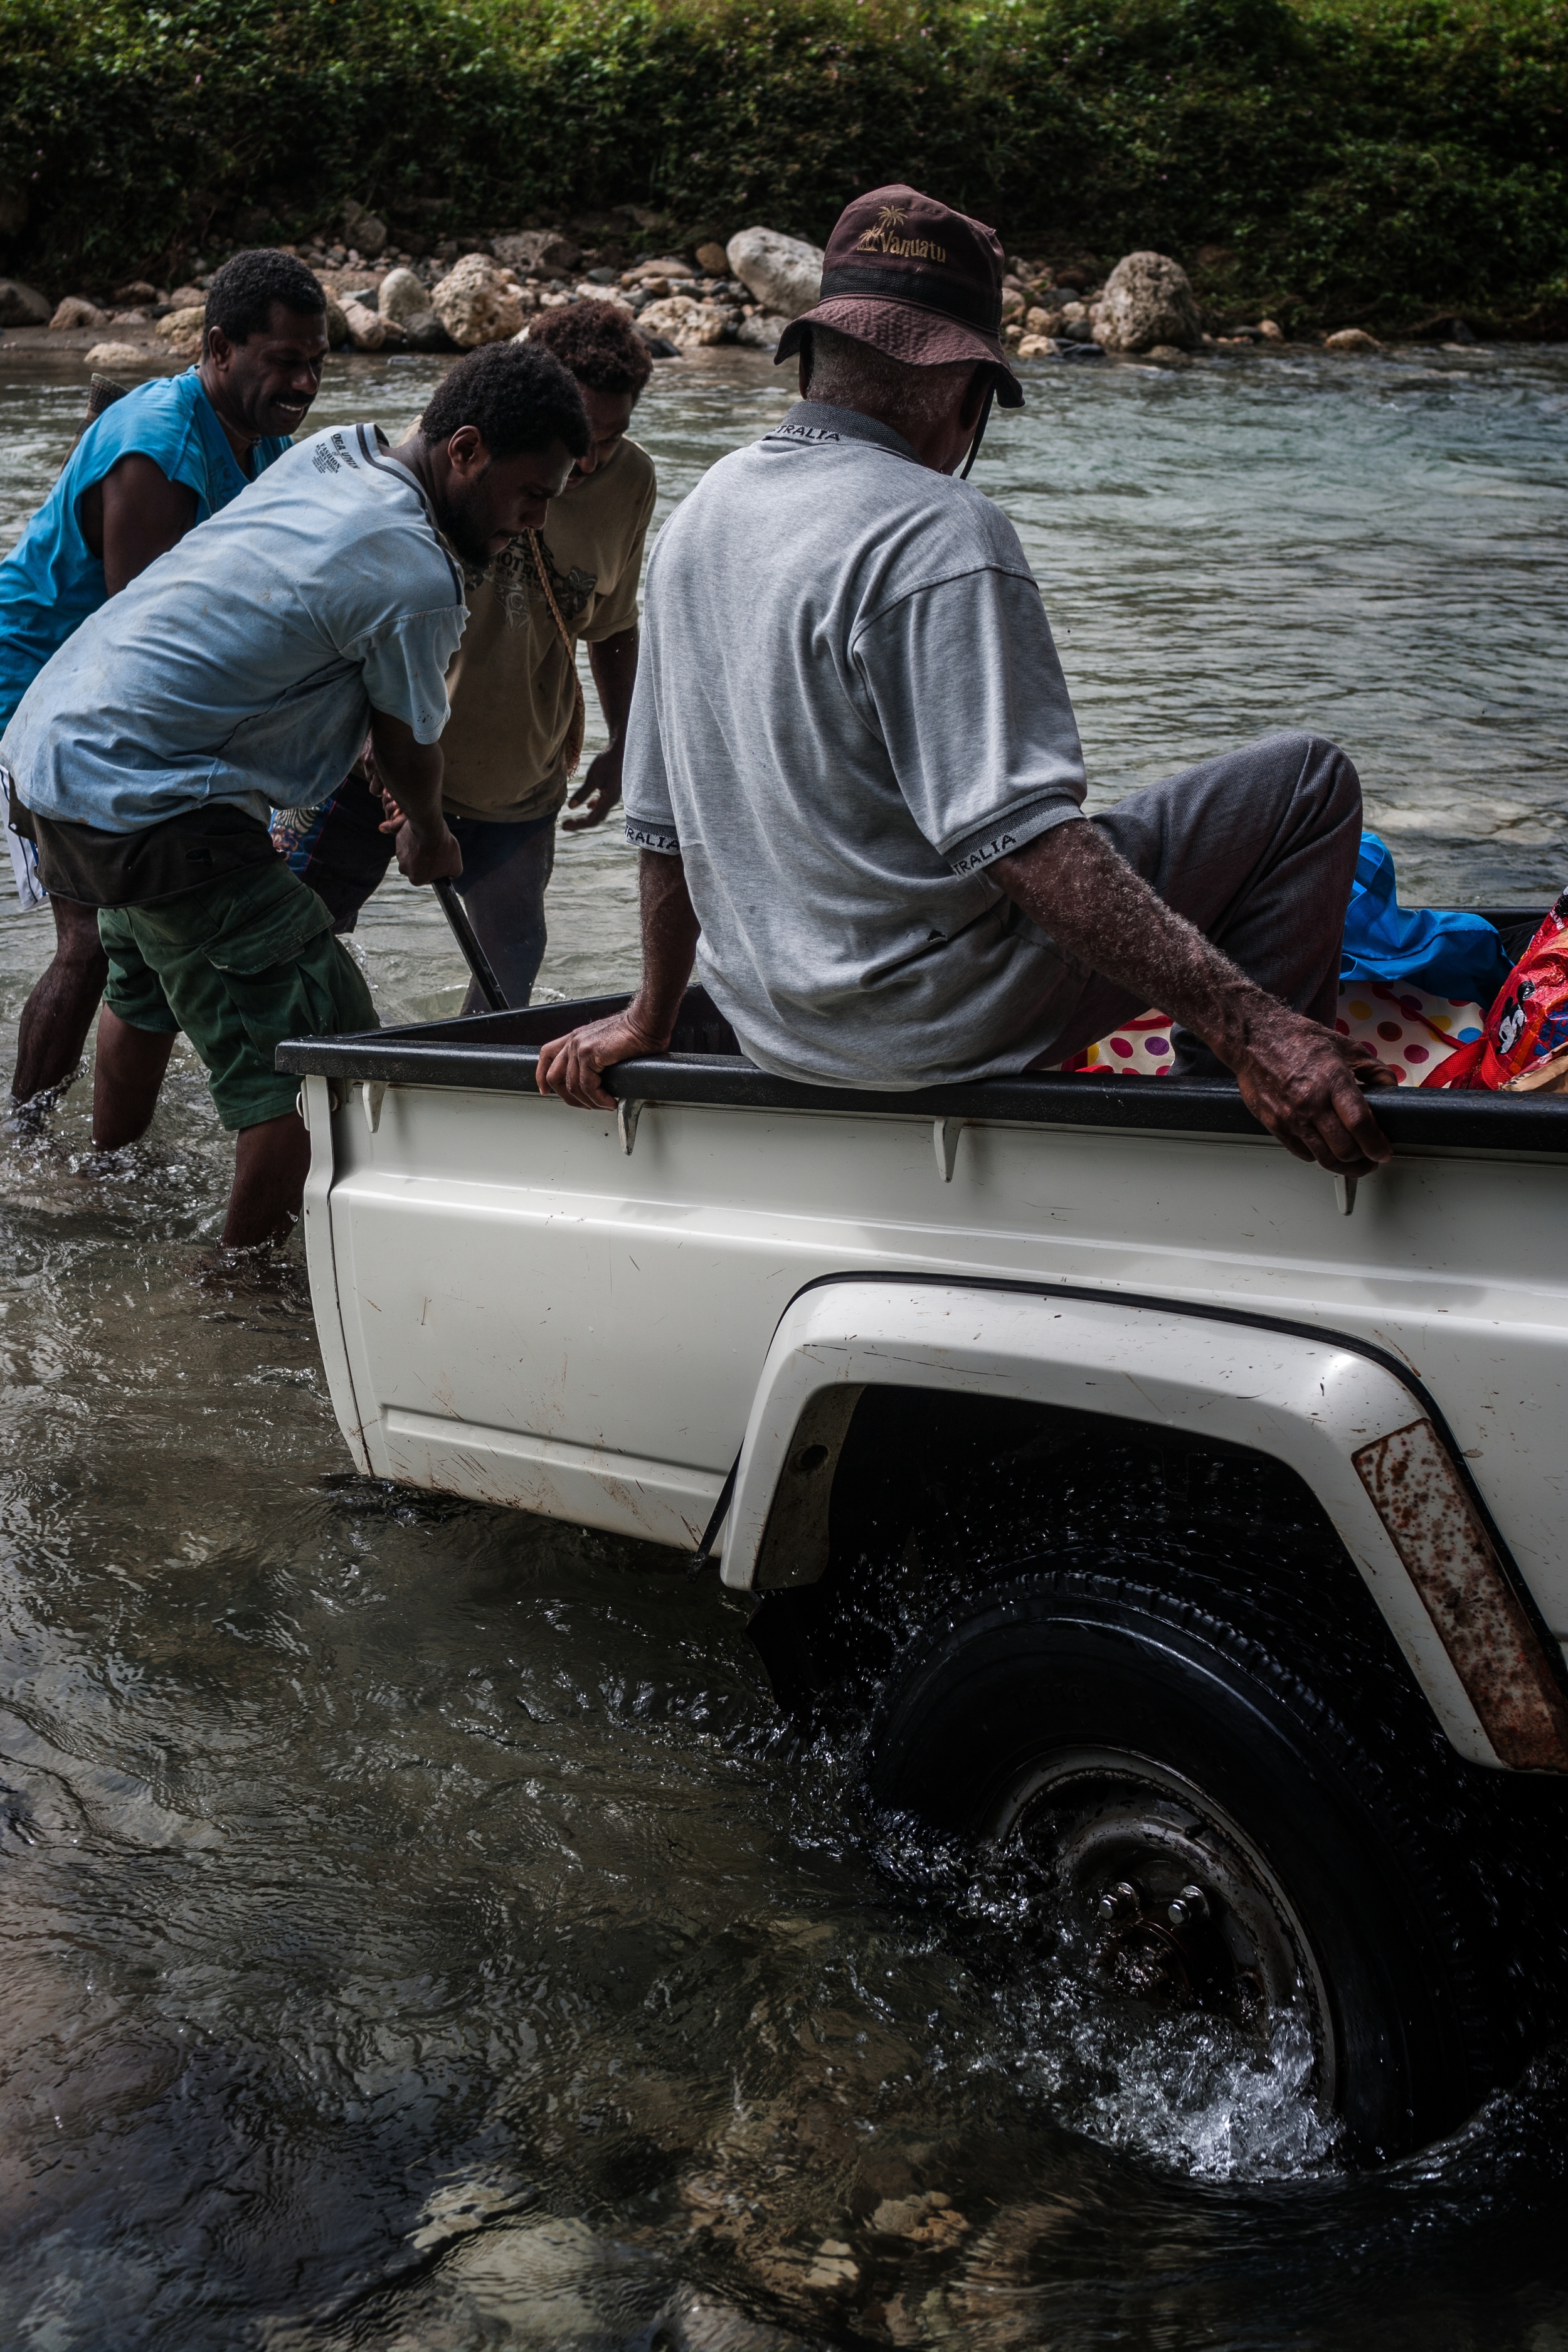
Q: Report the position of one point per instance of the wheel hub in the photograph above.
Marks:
(1180, 1908)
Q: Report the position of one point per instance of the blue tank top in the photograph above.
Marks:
(51, 580)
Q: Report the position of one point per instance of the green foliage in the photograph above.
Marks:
(1359, 157)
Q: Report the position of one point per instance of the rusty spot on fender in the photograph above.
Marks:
(1495, 1652)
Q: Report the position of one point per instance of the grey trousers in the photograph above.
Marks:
(1257, 850)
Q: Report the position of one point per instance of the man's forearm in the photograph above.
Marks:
(1073, 884)
(613, 663)
(670, 935)
(411, 771)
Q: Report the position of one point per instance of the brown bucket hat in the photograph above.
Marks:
(915, 279)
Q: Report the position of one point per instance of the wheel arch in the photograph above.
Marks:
(1364, 1440)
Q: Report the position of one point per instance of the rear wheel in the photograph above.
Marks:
(1223, 1839)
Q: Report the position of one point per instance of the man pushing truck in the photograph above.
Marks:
(241, 673)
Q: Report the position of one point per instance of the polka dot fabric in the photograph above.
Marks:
(1412, 1030)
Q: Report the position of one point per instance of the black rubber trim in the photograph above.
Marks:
(717, 1518)
(1321, 1334)
(496, 1053)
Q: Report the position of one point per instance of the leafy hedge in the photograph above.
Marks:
(1346, 159)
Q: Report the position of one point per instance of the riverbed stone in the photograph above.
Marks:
(22, 306)
(425, 332)
(761, 331)
(688, 324)
(368, 331)
(118, 355)
(477, 302)
(1351, 339)
(362, 231)
(402, 296)
(783, 273)
(1148, 300)
(76, 310)
(713, 260)
(539, 252)
(183, 331)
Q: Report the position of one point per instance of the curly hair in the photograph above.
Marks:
(599, 344)
(242, 296)
(517, 395)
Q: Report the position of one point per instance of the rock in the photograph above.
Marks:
(1147, 300)
(782, 273)
(688, 325)
(713, 260)
(364, 231)
(187, 298)
(1271, 330)
(659, 346)
(368, 331)
(476, 303)
(589, 292)
(1037, 347)
(1168, 355)
(76, 310)
(602, 277)
(650, 273)
(425, 332)
(402, 296)
(22, 306)
(118, 355)
(1351, 339)
(539, 252)
(137, 293)
(761, 331)
(183, 331)
(1014, 304)
(337, 324)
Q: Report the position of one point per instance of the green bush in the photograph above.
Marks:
(1358, 159)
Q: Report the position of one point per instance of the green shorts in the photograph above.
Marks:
(238, 965)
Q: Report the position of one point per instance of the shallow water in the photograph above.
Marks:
(419, 1931)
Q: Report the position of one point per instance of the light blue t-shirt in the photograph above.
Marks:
(51, 580)
(243, 666)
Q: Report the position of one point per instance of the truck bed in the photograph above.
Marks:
(514, 1308)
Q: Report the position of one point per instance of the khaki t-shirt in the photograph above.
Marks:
(511, 683)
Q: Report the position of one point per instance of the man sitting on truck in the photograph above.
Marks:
(855, 776)
(241, 672)
(158, 461)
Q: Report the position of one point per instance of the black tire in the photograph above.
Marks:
(1377, 1903)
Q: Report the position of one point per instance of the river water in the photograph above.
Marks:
(419, 1932)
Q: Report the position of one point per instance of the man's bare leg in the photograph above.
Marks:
(271, 1162)
(126, 1078)
(58, 1014)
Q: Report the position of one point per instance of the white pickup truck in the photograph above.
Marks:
(1178, 1521)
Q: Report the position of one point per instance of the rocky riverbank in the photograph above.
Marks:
(383, 296)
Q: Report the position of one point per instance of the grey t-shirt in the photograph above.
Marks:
(848, 706)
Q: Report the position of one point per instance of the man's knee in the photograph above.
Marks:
(1324, 772)
(76, 941)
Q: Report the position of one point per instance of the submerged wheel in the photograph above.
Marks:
(1221, 1837)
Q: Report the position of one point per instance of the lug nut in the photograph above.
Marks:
(1118, 1902)
(1192, 1904)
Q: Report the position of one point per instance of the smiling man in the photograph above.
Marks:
(163, 458)
(517, 708)
(241, 674)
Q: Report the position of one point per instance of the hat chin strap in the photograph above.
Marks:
(979, 430)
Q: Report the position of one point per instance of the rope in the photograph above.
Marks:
(572, 748)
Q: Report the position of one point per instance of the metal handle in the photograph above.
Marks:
(468, 938)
